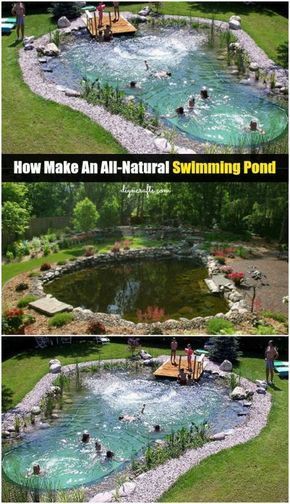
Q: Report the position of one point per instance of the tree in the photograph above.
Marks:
(85, 215)
(15, 219)
(224, 348)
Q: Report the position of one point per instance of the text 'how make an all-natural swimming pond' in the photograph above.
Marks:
(224, 118)
(66, 462)
(149, 290)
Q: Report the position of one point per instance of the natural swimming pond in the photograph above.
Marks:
(141, 291)
(223, 119)
(67, 463)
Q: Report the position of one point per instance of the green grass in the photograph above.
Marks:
(12, 269)
(254, 472)
(265, 26)
(34, 125)
(60, 319)
(21, 372)
(23, 302)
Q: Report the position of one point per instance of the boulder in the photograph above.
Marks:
(184, 150)
(55, 368)
(284, 90)
(128, 487)
(102, 497)
(28, 40)
(218, 437)
(44, 425)
(261, 390)
(261, 383)
(245, 82)
(54, 361)
(51, 49)
(247, 404)
(42, 60)
(238, 394)
(72, 92)
(235, 296)
(226, 365)
(35, 410)
(5, 434)
(144, 355)
(54, 416)
(63, 22)
(253, 66)
(236, 18)
(234, 72)
(145, 11)
(234, 24)
(11, 428)
(162, 144)
(28, 47)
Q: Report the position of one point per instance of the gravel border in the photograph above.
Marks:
(149, 486)
(135, 139)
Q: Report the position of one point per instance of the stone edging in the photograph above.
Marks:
(149, 486)
(135, 139)
(238, 310)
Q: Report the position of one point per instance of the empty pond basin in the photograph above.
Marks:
(224, 118)
(66, 462)
(141, 291)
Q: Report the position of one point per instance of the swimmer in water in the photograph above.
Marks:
(85, 437)
(163, 74)
(179, 112)
(254, 127)
(35, 471)
(191, 102)
(146, 65)
(127, 418)
(204, 93)
(143, 408)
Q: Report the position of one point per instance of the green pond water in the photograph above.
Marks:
(141, 291)
(222, 119)
(66, 462)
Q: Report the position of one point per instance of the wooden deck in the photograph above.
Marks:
(121, 27)
(167, 370)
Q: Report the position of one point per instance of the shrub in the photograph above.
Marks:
(33, 274)
(242, 252)
(116, 247)
(21, 287)
(35, 244)
(126, 245)
(26, 300)
(220, 259)
(151, 314)
(71, 10)
(72, 258)
(226, 269)
(60, 319)
(220, 326)
(89, 251)
(95, 327)
(45, 267)
(9, 256)
(46, 250)
(55, 248)
(278, 316)
(265, 330)
(61, 263)
(236, 277)
(223, 348)
(12, 321)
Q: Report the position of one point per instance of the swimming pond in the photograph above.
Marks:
(68, 463)
(223, 118)
(141, 291)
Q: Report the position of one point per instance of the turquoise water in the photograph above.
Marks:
(223, 119)
(67, 463)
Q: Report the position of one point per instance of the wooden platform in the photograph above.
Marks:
(167, 370)
(121, 27)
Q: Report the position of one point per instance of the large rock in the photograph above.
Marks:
(235, 296)
(63, 22)
(162, 144)
(261, 390)
(54, 361)
(184, 150)
(44, 425)
(144, 355)
(253, 66)
(145, 11)
(238, 394)
(51, 49)
(234, 24)
(28, 40)
(72, 92)
(55, 368)
(102, 497)
(226, 365)
(218, 437)
(128, 487)
(36, 410)
(261, 383)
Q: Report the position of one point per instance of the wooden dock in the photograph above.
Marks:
(120, 27)
(167, 370)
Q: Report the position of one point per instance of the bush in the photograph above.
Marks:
(26, 300)
(61, 263)
(61, 319)
(220, 259)
(89, 251)
(21, 287)
(236, 277)
(126, 245)
(71, 10)
(226, 269)
(12, 321)
(220, 326)
(265, 330)
(72, 258)
(242, 252)
(95, 327)
(45, 267)
(33, 274)
(9, 256)
(116, 247)
(46, 250)
(278, 316)
(224, 348)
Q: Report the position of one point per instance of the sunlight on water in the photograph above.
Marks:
(66, 462)
(224, 118)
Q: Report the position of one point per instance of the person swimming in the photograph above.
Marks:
(163, 74)
(146, 65)
(204, 93)
(143, 408)
(85, 437)
(182, 377)
(157, 428)
(191, 102)
(179, 111)
(98, 446)
(127, 418)
(254, 127)
(108, 34)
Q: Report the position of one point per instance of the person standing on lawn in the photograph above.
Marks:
(18, 10)
(271, 353)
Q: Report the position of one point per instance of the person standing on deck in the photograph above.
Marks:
(18, 10)
(116, 12)
(189, 352)
(101, 7)
(173, 347)
(271, 353)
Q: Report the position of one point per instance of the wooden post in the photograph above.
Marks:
(193, 366)
(95, 24)
(110, 19)
(179, 364)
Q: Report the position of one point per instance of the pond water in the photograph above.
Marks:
(67, 463)
(141, 291)
(223, 119)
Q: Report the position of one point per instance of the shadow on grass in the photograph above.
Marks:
(7, 400)
(240, 8)
(73, 350)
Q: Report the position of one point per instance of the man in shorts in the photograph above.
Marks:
(271, 354)
(19, 11)
(173, 347)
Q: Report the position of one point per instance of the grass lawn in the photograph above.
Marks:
(254, 472)
(12, 269)
(34, 125)
(265, 26)
(21, 372)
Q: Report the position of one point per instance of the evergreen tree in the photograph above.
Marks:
(224, 348)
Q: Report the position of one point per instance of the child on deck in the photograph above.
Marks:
(101, 7)
(18, 10)
(189, 352)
